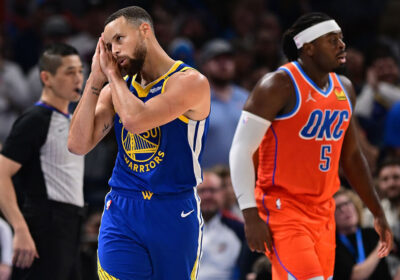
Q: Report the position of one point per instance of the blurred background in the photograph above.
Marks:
(234, 43)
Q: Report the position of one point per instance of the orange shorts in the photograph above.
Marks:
(303, 237)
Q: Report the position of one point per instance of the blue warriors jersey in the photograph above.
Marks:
(164, 159)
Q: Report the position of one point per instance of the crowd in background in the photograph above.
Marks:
(234, 43)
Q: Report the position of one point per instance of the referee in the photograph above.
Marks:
(37, 168)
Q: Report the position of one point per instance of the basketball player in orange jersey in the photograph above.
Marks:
(299, 117)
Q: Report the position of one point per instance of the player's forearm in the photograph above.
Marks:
(9, 206)
(365, 269)
(80, 138)
(358, 174)
(129, 107)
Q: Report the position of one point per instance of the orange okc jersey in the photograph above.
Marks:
(299, 154)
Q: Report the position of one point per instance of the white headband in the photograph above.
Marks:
(310, 34)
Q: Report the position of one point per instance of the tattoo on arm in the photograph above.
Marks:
(95, 91)
(106, 127)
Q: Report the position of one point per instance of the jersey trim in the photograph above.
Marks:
(144, 91)
(195, 135)
(345, 92)
(47, 106)
(195, 269)
(276, 155)
(183, 118)
(311, 82)
(298, 97)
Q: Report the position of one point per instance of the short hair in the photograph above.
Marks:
(388, 161)
(134, 14)
(302, 23)
(50, 59)
(380, 50)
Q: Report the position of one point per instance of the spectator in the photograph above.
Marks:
(223, 236)
(379, 93)
(392, 131)
(261, 270)
(182, 49)
(14, 96)
(388, 182)
(356, 247)
(356, 68)
(229, 202)
(227, 100)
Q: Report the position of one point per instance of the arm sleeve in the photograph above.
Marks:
(6, 243)
(248, 136)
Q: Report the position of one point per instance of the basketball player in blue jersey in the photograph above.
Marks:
(151, 226)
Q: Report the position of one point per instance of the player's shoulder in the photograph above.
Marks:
(190, 81)
(344, 80)
(277, 81)
(189, 75)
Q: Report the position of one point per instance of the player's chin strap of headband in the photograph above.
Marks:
(310, 34)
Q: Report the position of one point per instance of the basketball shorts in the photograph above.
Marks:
(148, 236)
(303, 237)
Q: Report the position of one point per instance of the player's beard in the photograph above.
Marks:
(135, 64)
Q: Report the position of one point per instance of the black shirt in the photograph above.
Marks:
(345, 260)
(38, 141)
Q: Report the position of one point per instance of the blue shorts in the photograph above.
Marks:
(149, 236)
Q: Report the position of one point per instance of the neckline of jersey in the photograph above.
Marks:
(150, 85)
(47, 106)
(326, 92)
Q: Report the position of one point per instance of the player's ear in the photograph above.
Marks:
(145, 29)
(308, 49)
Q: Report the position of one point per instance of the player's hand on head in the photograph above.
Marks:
(96, 68)
(257, 232)
(385, 236)
(24, 249)
(108, 63)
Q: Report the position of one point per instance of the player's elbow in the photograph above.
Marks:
(75, 147)
(133, 124)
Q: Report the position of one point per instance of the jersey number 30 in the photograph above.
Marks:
(325, 163)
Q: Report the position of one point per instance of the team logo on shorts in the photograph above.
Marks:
(142, 150)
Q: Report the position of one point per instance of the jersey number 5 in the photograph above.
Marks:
(325, 164)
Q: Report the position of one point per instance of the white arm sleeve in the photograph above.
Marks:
(248, 136)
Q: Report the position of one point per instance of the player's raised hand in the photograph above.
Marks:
(24, 249)
(108, 63)
(257, 232)
(385, 236)
(96, 68)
